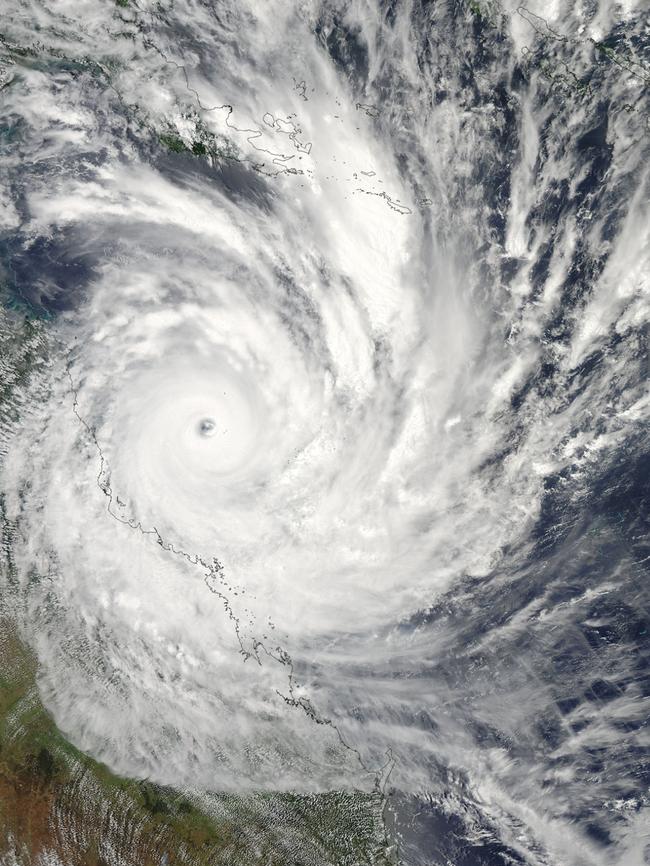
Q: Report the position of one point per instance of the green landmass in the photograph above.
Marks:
(55, 800)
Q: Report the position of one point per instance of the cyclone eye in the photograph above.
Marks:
(207, 427)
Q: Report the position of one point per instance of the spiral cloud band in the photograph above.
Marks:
(346, 385)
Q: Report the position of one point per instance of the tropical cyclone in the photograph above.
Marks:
(297, 497)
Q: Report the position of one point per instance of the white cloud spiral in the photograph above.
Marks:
(296, 416)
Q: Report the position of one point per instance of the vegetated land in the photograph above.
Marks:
(57, 805)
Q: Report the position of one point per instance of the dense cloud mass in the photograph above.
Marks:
(336, 474)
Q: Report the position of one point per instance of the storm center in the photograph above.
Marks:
(207, 427)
